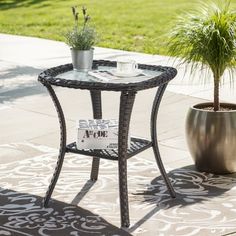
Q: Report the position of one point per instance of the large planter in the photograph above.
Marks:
(82, 60)
(211, 137)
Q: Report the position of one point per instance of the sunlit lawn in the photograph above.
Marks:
(134, 25)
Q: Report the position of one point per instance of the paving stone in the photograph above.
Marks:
(30, 138)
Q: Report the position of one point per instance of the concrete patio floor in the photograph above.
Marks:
(205, 203)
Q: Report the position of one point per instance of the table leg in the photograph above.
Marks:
(62, 149)
(155, 108)
(126, 105)
(97, 114)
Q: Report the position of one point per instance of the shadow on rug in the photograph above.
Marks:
(204, 205)
(22, 214)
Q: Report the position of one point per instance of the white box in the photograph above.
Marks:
(97, 134)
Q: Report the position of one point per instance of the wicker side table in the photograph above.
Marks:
(64, 76)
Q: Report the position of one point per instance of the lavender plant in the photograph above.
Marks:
(82, 36)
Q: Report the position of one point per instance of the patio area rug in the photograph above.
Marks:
(205, 203)
(22, 214)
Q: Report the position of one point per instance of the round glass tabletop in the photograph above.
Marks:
(104, 76)
(107, 74)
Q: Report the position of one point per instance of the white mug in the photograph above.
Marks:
(126, 66)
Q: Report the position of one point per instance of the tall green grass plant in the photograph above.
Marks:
(207, 36)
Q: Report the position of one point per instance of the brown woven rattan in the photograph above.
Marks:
(97, 114)
(128, 92)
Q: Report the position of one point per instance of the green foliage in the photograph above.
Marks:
(208, 36)
(81, 37)
(134, 25)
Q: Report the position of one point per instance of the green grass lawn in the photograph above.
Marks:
(134, 25)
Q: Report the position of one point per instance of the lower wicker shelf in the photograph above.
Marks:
(137, 145)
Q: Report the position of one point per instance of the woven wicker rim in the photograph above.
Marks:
(49, 77)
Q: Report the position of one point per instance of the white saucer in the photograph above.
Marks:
(119, 74)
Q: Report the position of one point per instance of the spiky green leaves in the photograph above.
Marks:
(208, 36)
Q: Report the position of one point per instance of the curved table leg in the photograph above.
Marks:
(155, 108)
(97, 114)
(126, 105)
(62, 149)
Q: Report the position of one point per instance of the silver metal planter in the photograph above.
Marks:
(211, 137)
(82, 60)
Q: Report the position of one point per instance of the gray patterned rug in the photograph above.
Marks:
(205, 203)
(22, 214)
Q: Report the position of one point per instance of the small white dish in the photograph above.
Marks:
(119, 74)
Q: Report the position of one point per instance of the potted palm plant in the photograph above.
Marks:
(81, 40)
(207, 37)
